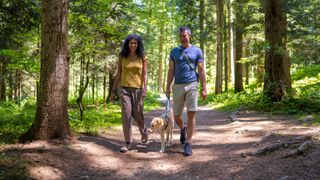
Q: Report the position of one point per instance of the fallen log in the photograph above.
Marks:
(300, 150)
(273, 147)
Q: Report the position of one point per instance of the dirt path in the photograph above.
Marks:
(221, 151)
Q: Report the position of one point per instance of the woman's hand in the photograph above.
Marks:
(144, 92)
(111, 98)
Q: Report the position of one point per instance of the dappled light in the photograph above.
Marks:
(75, 75)
(222, 149)
(43, 172)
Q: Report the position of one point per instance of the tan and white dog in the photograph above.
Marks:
(165, 126)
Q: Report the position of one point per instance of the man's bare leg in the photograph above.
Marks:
(191, 125)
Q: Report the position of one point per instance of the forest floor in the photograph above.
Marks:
(253, 146)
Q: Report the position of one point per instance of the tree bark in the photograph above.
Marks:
(226, 46)
(83, 85)
(202, 25)
(105, 72)
(3, 67)
(52, 102)
(218, 87)
(160, 70)
(246, 52)
(277, 78)
(239, 41)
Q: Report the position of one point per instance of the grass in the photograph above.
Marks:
(305, 99)
(16, 118)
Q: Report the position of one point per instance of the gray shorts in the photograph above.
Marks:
(185, 94)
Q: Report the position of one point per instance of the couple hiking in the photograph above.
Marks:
(131, 78)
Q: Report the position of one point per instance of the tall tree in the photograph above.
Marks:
(277, 66)
(52, 102)
(160, 70)
(17, 19)
(238, 86)
(202, 39)
(218, 87)
(227, 45)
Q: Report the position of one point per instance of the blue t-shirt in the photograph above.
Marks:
(182, 70)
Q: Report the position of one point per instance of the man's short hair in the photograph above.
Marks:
(185, 28)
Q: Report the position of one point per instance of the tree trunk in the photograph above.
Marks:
(239, 41)
(160, 70)
(52, 102)
(260, 73)
(226, 36)
(111, 82)
(231, 32)
(105, 72)
(18, 85)
(218, 88)
(83, 85)
(277, 66)
(247, 64)
(93, 88)
(228, 46)
(202, 25)
(11, 86)
(3, 67)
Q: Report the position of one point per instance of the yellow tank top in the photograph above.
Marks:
(131, 75)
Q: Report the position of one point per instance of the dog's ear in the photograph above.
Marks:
(161, 122)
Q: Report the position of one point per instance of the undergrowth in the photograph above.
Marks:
(16, 118)
(304, 100)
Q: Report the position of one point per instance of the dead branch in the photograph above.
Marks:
(273, 147)
(300, 150)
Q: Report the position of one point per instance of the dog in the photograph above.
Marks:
(165, 125)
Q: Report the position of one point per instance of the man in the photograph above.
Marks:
(182, 67)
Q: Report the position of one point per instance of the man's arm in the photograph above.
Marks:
(170, 77)
(202, 77)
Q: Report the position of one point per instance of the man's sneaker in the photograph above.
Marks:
(187, 149)
(183, 135)
(125, 148)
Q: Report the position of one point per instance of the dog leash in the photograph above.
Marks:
(167, 112)
(167, 107)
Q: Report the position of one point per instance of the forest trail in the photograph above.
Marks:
(222, 149)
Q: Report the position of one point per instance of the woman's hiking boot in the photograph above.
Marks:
(126, 147)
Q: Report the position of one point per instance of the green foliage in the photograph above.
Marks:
(305, 99)
(306, 72)
(102, 117)
(96, 118)
(15, 119)
(151, 102)
(303, 31)
(17, 17)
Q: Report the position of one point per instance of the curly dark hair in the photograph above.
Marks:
(125, 48)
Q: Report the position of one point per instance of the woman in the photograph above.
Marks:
(132, 76)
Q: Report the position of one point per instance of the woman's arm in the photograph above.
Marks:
(145, 73)
(117, 79)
